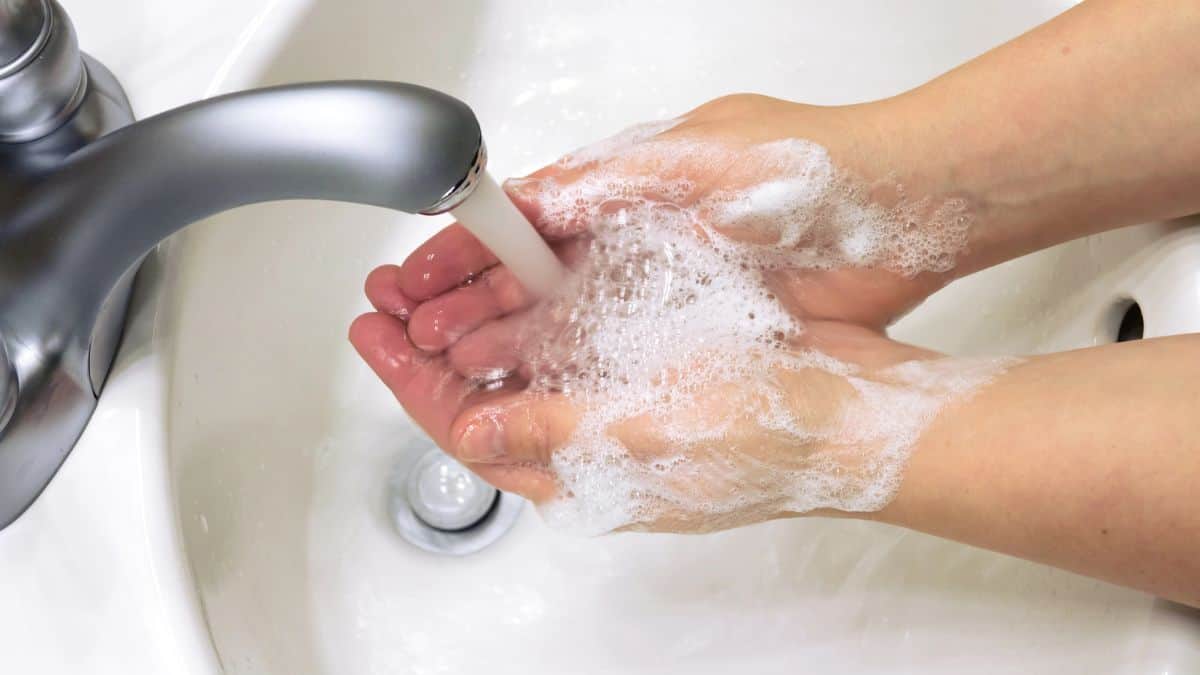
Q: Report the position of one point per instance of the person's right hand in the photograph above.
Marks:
(714, 150)
(730, 145)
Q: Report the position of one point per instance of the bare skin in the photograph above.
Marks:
(1082, 460)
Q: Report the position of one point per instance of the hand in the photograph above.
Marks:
(798, 436)
(720, 149)
(794, 431)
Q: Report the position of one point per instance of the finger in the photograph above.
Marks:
(558, 209)
(555, 200)
(443, 320)
(820, 294)
(383, 290)
(445, 261)
(516, 428)
(492, 349)
(533, 482)
(528, 194)
(426, 386)
(563, 204)
(858, 344)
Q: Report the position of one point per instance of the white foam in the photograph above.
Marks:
(699, 410)
(616, 144)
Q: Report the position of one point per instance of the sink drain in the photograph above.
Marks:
(438, 505)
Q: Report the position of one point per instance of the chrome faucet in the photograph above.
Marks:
(86, 193)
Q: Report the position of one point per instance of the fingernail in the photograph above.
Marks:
(514, 184)
(481, 441)
(522, 187)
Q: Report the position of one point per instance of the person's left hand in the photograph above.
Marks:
(781, 442)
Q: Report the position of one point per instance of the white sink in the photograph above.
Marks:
(226, 509)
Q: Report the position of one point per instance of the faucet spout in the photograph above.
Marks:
(76, 232)
(392, 145)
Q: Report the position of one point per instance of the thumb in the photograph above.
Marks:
(552, 200)
(520, 428)
(525, 193)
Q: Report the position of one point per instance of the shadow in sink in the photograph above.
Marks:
(261, 301)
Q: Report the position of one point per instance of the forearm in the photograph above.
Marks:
(1086, 460)
(1087, 123)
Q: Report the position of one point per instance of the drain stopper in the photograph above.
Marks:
(447, 496)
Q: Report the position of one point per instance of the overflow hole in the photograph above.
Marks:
(1132, 325)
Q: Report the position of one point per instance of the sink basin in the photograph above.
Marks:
(247, 449)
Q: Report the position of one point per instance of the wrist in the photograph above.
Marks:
(915, 145)
(878, 151)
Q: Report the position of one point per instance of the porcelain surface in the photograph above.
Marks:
(226, 508)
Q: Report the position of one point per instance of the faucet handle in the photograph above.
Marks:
(42, 78)
(24, 28)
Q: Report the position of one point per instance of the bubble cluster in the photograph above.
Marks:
(701, 409)
(616, 143)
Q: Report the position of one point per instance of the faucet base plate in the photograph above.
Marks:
(43, 409)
